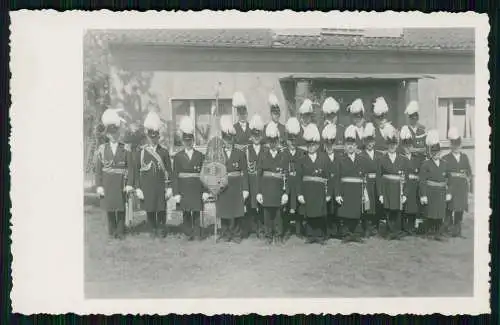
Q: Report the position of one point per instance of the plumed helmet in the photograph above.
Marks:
(306, 107)
(311, 133)
(330, 105)
(380, 106)
(329, 132)
(369, 131)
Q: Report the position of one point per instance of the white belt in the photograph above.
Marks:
(351, 180)
(413, 176)
(371, 175)
(234, 174)
(315, 179)
(189, 175)
(392, 177)
(271, 174)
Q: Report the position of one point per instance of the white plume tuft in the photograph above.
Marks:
(152, 121)
(432, 138)
(256, 123)
(405, 133)
(239, 99)
(110, 117)
(272, 130)
(186, 125)
(369, 130)
(330, 106)
(329, 132)
(380, 106)
(306, 106)
(412, 108)
(311, 133)
(350, 132)
(226, 124)
(273, 100)
(389, 132)
(293, 125)
(357, 106)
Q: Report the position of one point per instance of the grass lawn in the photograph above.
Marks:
(142, 267)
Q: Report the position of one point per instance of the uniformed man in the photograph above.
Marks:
(293, 220)
(380, 111)
(186, 185)
(273, 189)
(417, 130)
(433, 187)
(372, 216)
(459, 173)
(114, 175)
(230, 204)
(254, 214)
(393, 174)
(357, 111)
(329, 135)
(306, 118)
(275, 118)
(351, 195)
(242, 137)
(330, 110)
(412, 206)
(153, 172)
(313, 194)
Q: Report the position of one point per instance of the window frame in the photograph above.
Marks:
(466, 142)
(192, 115)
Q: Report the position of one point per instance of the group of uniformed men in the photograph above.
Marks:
(316, 182)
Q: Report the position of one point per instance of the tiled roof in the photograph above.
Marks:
(461, 39)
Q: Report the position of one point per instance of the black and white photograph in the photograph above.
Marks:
(323, 161)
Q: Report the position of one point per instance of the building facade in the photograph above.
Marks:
(188, 72)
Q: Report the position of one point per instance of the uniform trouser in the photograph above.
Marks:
(456, 218)
(157, 221)
(316, 228)
(408, 222)
(116, 223)
(433, 226)
(273, 222)
(231, 228)
(393, 221)
(254, 222)
(292, 223)
(369, 222)
(350, 225)
(191, 223)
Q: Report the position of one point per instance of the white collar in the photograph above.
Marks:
(243, 124)
(313, 155)
(273, 152)
(352, 156)
(256, 147)
(292, 151)
(189, 151)
(331, 155)
(457, 155)
(436, 161)
(370, 153)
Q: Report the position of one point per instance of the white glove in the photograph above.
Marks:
(339, 200)
(260, 198)
(168, 193)
(366, 199)
(292, 211)
(178, 198)
(205, 197)
(245, 195)
(100, 191)
(128, 189)
(403, 199)
(284, 199)
(448, 197)
(381, 199)
(328, 198)
(423, 200)
(301, 200)
(139, 194)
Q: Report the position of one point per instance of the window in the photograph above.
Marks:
(200, 111)
(458, 112)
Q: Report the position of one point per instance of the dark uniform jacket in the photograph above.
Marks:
(392, 180)
(113, 173)
(186, 180)
(153, 174)
(272, 173)
(350, 186)
(412, 205)
(292, 161)
(242, 138)
(433, 185)
(230, 202)
(252, 159)
(459, 178)
(313, 184)
(372, 169)
(419, 135)
(380, 143)
(333, 170)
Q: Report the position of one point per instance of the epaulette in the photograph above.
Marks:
(127, 147)
(163, 147)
